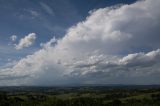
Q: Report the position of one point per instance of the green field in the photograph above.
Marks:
(79, 96)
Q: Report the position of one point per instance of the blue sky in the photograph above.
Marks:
(46, 18)
(25, 16)
(92, 41)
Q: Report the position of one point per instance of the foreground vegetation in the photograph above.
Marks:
(80, 96)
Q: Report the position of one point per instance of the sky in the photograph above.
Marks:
(63, 42)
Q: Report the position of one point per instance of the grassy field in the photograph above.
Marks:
(79, 96)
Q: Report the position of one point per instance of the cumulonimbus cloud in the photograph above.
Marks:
(113, 45)
(26, 41)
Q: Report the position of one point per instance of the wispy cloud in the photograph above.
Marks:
(47, 8)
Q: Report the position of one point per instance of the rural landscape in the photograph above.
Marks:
(117, 95)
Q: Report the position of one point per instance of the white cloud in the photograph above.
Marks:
(108, 47)
(13, 38)
(26, 41)
(33, 13)
(51, 43)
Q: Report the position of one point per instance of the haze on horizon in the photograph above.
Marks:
(63, 42)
